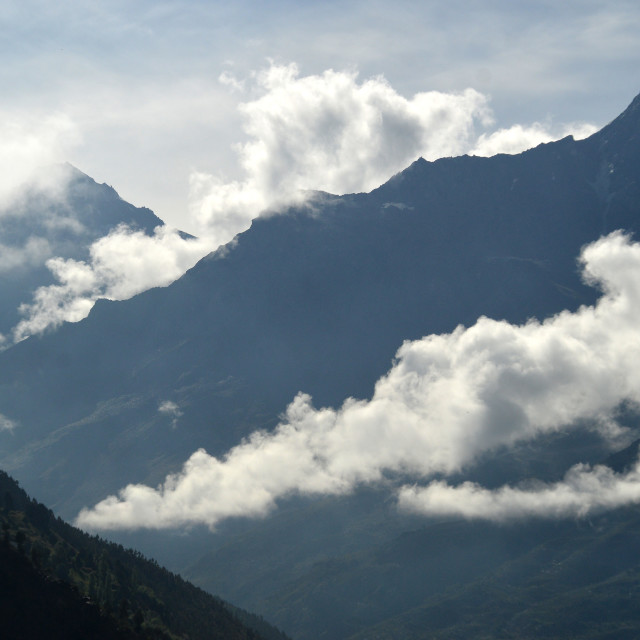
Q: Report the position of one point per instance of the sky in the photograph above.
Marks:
(176, 104)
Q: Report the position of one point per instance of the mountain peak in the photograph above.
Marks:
(623, 131)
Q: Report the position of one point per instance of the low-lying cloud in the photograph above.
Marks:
(122, 264)
(331, 132)
(583, 491)
(447, 400)
(518, 138)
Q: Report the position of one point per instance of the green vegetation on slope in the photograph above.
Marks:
(136, 593)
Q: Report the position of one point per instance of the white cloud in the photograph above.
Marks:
(519, 138)
(447, 400)
(330, 132)
(123, 263)
(583, 491)
(28, 143)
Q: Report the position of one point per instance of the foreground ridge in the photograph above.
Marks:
(58, 580)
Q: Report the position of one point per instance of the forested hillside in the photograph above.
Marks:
(56, 577)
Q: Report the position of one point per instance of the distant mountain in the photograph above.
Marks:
(59, 214)
(58, 582)
(316, 299)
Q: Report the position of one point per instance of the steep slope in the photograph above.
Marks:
(33, 606)
(125, 590)
(577, 580)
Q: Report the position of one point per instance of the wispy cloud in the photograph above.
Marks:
(6, 424)
(583, 491)
(34, 252)
(28, 144)
(519, 138)
(447, 400)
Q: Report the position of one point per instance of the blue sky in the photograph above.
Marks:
(130, 92)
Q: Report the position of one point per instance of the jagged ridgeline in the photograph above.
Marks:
(58, 582)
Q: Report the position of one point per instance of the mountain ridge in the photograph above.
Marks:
(316, 299)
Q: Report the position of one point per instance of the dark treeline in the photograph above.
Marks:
(52, 571)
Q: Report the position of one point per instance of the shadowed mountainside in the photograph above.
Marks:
(57, 581)
(316, 299)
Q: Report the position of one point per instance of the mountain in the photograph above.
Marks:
(44, 221)
(59, 582)
(318, 299)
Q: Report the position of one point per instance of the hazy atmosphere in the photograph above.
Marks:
(208, 112)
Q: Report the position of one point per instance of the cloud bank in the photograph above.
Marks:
(584, 490)
(123, 263)
(447, 400)
(330, 132)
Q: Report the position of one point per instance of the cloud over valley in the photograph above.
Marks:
(447, 401)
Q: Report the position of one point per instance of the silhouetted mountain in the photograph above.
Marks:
(317, 299)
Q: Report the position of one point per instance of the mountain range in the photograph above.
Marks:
(317, 299)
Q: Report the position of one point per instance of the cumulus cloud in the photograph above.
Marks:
(123, 263)
(328, 132)
(584, 490)
(331, 132)
(447, 400)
